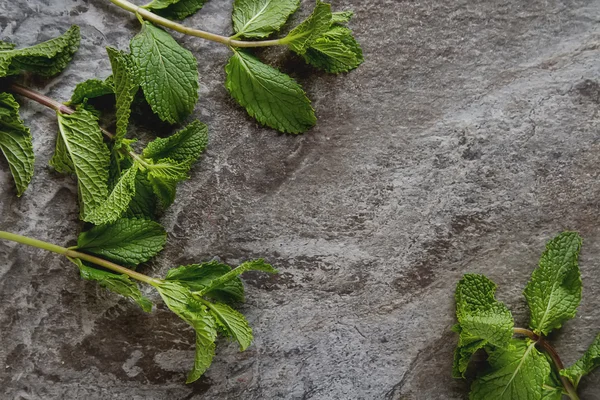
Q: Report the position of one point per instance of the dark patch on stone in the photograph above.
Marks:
(589, 89)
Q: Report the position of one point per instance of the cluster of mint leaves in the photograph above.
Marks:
(523, 368)
(122, 192)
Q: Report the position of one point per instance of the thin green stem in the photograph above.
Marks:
(77, 254)
(228, 41)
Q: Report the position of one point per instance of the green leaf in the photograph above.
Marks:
(6, 46)
(81, 149)
(260, 18)
(304, 35)
(516, 373)
(125, 86)
(482, 319)
(46, 59)
(552, 388)
(175, 9)
(128, 241)
(586, 364)
(91, 89)
(336, 51)
(273, 98)
(144, 203)
(15, 142)
(232, 323)
(255, 265)
(183, 146)
(163, 189)
(182, 302)
(341, 17)
(118, 200)
(554, 290)
(197, 278)
(168, 73)
(117, 283)
(164, 176)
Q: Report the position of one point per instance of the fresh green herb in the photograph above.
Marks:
(526, 368)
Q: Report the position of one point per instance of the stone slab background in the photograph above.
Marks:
(467, 139)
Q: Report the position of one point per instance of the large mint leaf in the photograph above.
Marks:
(175, 9)
(81, 149)
(15, 142)
(198, 277)
(117, 283)
(46, 58)
(125, 86)
(482, 320)
(183, 146)
(90, 89)
(304, 35)
(128, 241)
(516, 373)
(554, 290)
(336, 51)
(118, 200)
(232, 323)
(273, 98)
(260, 18)
(586, 364)
(168, 73)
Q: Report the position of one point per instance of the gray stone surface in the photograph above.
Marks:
(467, 139)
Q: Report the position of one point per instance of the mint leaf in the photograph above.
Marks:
(15, 142)
(255, 265)
(198, 277)
(341, 17)
(90, 89)
(273, 98)
(516, 373)
(175, 9)
(482, 319)
(81, 149)
(144, 203)
(586, 364)
(46, 59)
(260, 18)
(554, 291)
(128, 241)
(6, 46)
(163, 189)
(118, 200)
(552, 388)
(336, 51)
(125, 87)
(117, 283)
(164, 176)
(303, 36)
(232, 323)
(182, 302)
(168, 73)
(183, 146)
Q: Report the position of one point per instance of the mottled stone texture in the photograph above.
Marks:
(467, 139)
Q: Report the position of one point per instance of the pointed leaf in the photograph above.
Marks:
(125, 86)
(183, 146)
(336, 51)
(255, 265)
(304, 35)
(341, 17)
(260, 18)
(175, 9)
(91, 89)
(197, 278)
(144, 203)
(586, 364)
(118, 200)
(233, 323)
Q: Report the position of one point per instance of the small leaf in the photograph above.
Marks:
(304, 35)
(336, 51)
(91, 89)
(255, 265)
(15, 142)
(117, 283)
(81, 149)
(168, 73)
(260, 18)
(164, 176)
(586, 364)
(554, 290)
(47, 58)
(341, 17)
(144, 203)
(118, 200)
(233, 323)
(273, 98)
(175, 9)
(197, 278)
(183, 146)
(128, 241)
(125, 86)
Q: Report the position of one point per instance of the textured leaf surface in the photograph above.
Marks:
(554, 290)
(273, 98)
(197, 278)
(254, 265)
(144, 203)
(341, 17)
(586, 364)
(304, 35)
(336, 51)
(81, 146)
(516, 373)
(482, 319)
(233, 323)
(168, 73)
(118, 200)
(180, 300)
(91, 89)
(128, 241)
(117, 283)
(47, 58)
(175, 9)
(184, 146)
(260, 18)
(125, 86)
(15, 142)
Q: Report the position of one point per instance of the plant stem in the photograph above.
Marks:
(228, 41)
(558, 364)
(76, 254)
(40, 98)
